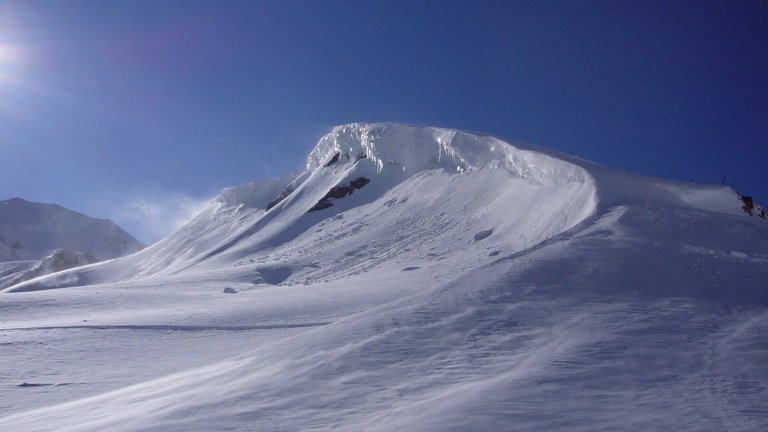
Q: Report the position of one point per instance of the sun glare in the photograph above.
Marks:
(10, 58)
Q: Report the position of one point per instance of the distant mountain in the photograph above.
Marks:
(32, 231)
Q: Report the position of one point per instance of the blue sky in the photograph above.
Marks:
(140, 110)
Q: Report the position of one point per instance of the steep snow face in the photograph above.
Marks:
(31, 231)
(372, 195)
(420, 186)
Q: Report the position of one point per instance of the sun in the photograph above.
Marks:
(11, 57)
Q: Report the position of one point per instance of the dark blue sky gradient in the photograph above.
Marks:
(188, 97)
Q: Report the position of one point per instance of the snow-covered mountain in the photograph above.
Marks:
(31, 231)
(411, 278)
(435, 188)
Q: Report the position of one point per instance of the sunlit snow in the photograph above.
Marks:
(471, 284)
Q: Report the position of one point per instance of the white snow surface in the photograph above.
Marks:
(470, 284)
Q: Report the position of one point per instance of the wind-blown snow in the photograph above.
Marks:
(58, 260)
(471, 284)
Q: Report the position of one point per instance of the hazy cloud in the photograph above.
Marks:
(153, 215)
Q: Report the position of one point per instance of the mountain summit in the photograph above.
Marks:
(414, 279)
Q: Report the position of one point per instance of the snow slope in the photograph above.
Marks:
(469, 284)
(438, 189)
(31, 231)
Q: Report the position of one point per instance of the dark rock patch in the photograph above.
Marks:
(321, 205)
(333, 160)
(494, 253)
(752, 209)
(339, 192)
(483, 234)
(229, 290)
(26, 384)
(411, 268)
(749, 205)
(283, 195)
(358, 183)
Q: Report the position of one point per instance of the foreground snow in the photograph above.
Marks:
(469, 285)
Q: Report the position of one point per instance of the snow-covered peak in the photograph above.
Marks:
(413, 148)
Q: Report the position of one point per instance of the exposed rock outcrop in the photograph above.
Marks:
(339, 192)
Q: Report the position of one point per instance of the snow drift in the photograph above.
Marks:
(468, 284)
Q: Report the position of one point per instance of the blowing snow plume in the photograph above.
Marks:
(469, 284)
